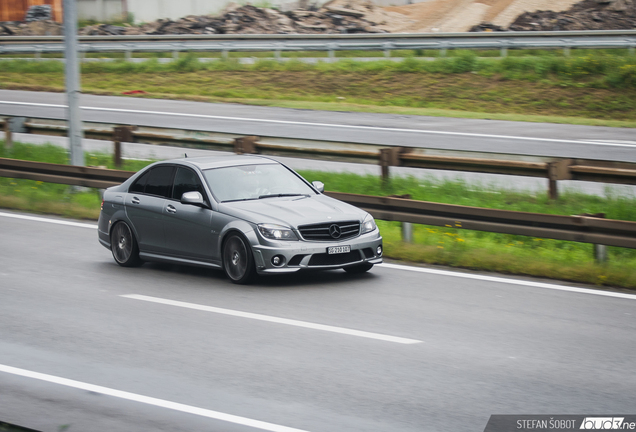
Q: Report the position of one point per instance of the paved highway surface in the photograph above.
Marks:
(538, 139)
(434, 132)
(86, 343)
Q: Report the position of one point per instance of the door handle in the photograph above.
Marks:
(135, 200)
(171, 209)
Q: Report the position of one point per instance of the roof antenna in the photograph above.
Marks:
(186, 155)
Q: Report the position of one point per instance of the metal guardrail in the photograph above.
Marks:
(331, 43)
(585, 229)
(553, 169)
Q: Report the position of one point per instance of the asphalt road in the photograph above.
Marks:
(536, 139)
(475, 345)
(491, 136)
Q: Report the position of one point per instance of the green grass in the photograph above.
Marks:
(594, 89)
(449, 245)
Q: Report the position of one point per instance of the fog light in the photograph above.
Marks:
(378, 251)
(278, 260)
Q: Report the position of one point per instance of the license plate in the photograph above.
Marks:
(338, 250)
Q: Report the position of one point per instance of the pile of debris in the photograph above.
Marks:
(235, 19)
(33, 28)
(585, 15)
(350, 16)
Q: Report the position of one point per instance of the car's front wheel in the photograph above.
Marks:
(238, 261)
(360, 268)
(124, 246)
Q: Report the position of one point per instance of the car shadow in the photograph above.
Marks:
(306, 278)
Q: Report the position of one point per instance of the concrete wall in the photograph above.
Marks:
(100, 10)
(151, 10)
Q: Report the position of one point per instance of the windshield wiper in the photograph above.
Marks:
(282, 195)
(240, 199)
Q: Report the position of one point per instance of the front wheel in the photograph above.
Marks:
(124, 246)
(360, 268)
(238, 261)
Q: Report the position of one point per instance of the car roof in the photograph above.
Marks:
(220, 161)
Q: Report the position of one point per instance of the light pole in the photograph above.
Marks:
(73, 87)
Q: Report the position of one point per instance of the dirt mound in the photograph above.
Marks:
(462, 15)
(33, 28)
(586, 15)
(235, 19)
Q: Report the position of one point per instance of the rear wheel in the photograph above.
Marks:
(238, 261)
(360, 268)
(124, 246)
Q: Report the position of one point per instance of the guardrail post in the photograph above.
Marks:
(121, 134)
(600, 250)
(277, 54)
(332, 53)
(8, 134)
(558, 171)
(245, 145)
(13, 125)
(566, 49)
(407, 232)
(390, 157)
(387, 49)
(600, 253)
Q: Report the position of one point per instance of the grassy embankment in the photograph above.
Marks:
(595, 89)
(434, 245)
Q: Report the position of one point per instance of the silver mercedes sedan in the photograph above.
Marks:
(245, 214)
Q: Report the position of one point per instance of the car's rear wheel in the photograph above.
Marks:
(360, 268)
(124, 246)
(238, 261)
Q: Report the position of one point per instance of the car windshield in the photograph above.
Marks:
(251, 182)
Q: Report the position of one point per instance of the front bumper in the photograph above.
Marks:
(299, 255)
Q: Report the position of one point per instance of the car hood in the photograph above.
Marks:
(293, 211)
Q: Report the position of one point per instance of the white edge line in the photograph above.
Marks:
(53, 221)
(257, 120)
(273, 319)
(401, 267)
(148, 400)
(509, 281)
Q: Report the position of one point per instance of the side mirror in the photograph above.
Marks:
(193, 198)
(320, 186)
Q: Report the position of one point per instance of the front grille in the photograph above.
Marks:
(323, 259)
(329, 232)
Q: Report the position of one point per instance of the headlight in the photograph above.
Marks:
(276, 232)
(368, 225)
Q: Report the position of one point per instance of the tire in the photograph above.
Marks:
(238, 261)
(360, 268)
(124, 245)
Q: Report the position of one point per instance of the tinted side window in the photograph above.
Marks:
(139, 184)
(186, 180)
(160, 181)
